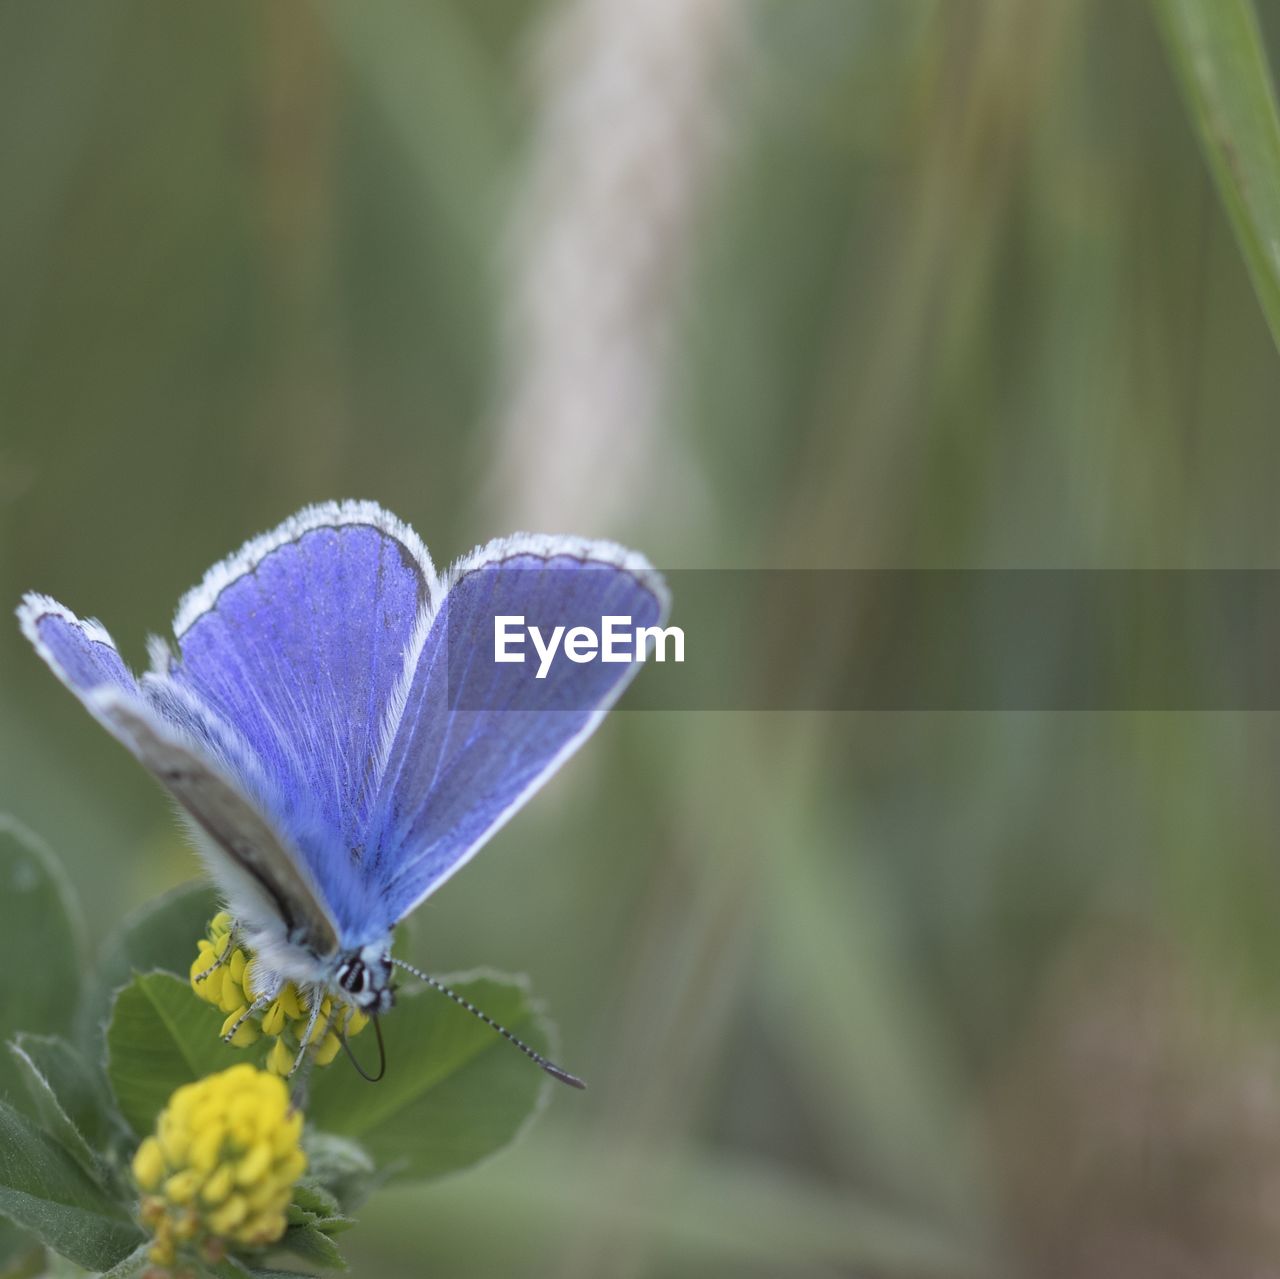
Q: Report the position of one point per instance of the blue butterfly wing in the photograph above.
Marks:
(300, 641)
(80, 652)
(334, 717)
(477, 738)
(200, 760)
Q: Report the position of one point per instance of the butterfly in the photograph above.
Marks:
(332, 722)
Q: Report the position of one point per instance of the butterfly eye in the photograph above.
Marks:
(352, 977)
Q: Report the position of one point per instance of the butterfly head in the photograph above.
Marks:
(365, 977)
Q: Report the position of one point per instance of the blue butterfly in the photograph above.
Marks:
(334, 723)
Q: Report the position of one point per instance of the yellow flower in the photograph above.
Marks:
(226, 977)
(219, 1170)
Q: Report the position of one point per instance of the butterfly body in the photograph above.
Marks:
(332, 725)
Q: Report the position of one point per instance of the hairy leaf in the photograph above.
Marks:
(40, 942)
(65, 1095)
(162, 935)
(160, 1037)
(43, 1190)
(454, 1091)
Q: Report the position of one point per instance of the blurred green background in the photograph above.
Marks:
(831, 283)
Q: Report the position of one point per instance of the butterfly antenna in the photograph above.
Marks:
(550, 1067)
(382, 1053)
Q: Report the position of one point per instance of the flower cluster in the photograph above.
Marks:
(220, 1169)
(222, 974)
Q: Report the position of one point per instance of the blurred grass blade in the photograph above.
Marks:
(1220, 56)
(704, 1213)
(444, 103)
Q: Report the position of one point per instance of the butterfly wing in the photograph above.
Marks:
(202, 763)
(300, 640)
(476, 738)
(333, 717)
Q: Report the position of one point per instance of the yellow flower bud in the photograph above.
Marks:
(287, 1135)
(148, 1165)
(328, 1049)
(250, 1169)
(220, 1170)
(246, 1033)
(206, 1146)
(182, 1186)
(280, 1059)
(257, 1228)
(273, 1018)
(230, 996)
(210, 987)
(237, 982)
(292, 1166)
(218, 1186)
(186, 1227)
(224, 1220)
(291, 1002)
(163, 1252)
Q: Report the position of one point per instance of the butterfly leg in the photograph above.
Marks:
(314, 998)
(233, 942)
(300, 1071)
(259, 1005)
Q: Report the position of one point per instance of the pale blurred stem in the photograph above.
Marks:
(602, 233)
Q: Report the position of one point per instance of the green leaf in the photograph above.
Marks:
(65, 1096)
(335, 1225)
(332, 1226)
(131, 1265)
(229, 1268)
(162, 935)
(80, 1091)
(331, 1223)
(43, 1190)
(40, 943)
(454, 1091)
(160, 1037)
(313, 1198)
(313, 1245)
(1220, 56)
(236, 1268)
(341, 1167)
